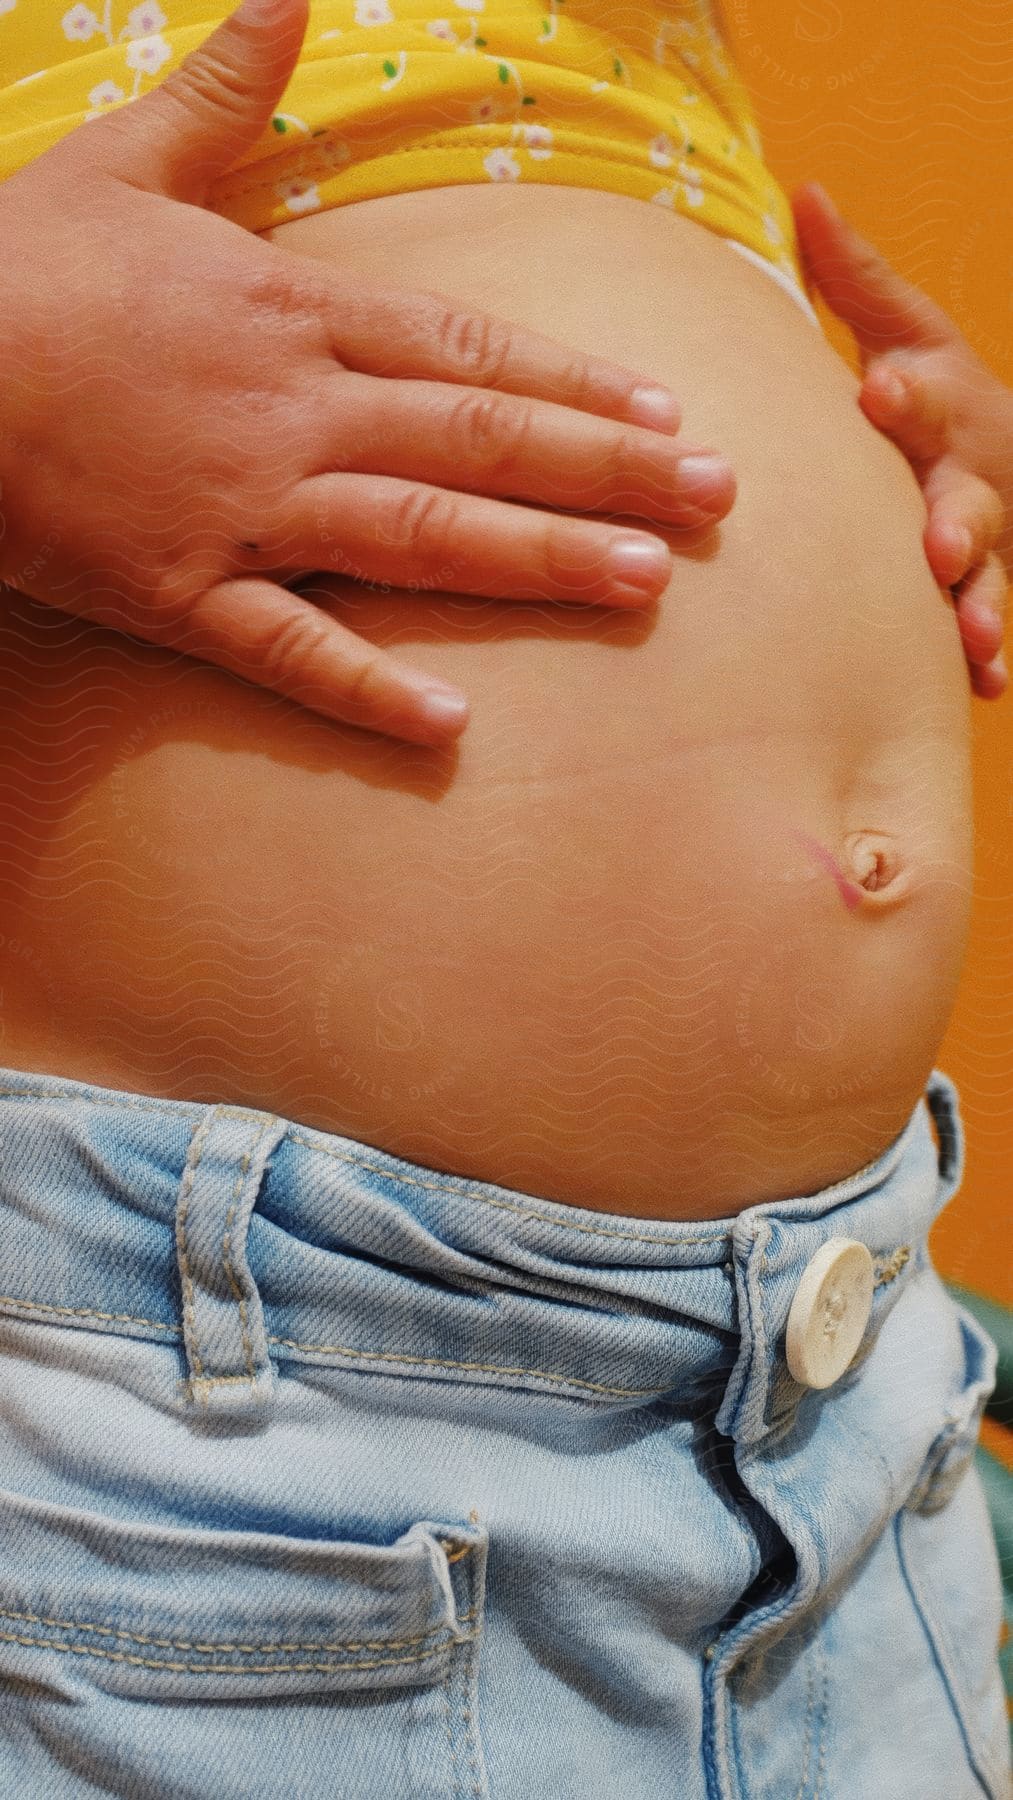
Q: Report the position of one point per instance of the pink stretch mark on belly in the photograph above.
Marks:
(850, 893)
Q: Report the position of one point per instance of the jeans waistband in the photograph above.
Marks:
(239, 1240)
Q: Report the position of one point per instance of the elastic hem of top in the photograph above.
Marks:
(365, 182)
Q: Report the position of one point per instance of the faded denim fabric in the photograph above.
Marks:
(325, 1476)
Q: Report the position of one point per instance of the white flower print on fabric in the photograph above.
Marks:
(79, 24)
(7, 6)
(144, 21)
(299, 195)
(485, 112)
(501, 165)
(470, 5)
(664, 197)
(147, 52)
(147, 55)
(103, 96)
(692, 183)
(106, 94)
(660, 152)
(373, 12)
(442, 28)
(537, 141)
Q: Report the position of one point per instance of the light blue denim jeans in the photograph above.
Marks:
(329, 1477)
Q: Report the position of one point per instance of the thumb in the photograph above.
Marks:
(859, 285)
(188, 131)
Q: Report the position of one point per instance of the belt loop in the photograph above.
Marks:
(223, 1320)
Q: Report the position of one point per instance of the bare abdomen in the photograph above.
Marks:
(679, 926)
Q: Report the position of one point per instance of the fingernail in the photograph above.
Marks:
(818, 188)
(644, 562)
(258, 12)
(655, 407)
(443, 707)
(702, 477)
(963, 546)
(891, 388)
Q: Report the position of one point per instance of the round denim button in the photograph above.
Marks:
(829, 1313)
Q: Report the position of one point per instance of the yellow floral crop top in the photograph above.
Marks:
(637, 97)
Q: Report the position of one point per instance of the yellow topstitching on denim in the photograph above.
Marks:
(86, 1312)
(176, 1668)
(528, 1211)
(439, 1362)
(136, 1637)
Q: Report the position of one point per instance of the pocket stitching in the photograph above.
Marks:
(133, 1637)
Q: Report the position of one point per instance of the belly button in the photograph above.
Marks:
(871, 859)
(870, 872)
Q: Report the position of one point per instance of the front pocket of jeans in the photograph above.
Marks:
(951, 1567)
(952, 1449)
(167, 1613)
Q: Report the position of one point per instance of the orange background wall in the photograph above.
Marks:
(904, 110)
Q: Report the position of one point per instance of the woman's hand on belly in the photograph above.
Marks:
(238, 415)
(926, 389)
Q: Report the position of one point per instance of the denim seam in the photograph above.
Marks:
(177, 1107)
(527, 1212)
(952, 1683)
(86, 1312)
(479, 1780)
(816, 1666)
(899, 1258)
(143, 1662)
(347, 1350)
(888, 1268)
(173, 1108)
(821, 1767)
(437, 1362)
(135, 1637)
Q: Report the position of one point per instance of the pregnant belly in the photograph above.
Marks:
(678, 925)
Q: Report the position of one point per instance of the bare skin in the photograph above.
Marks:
(926, 388)
(678, 924)
(240, 415)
